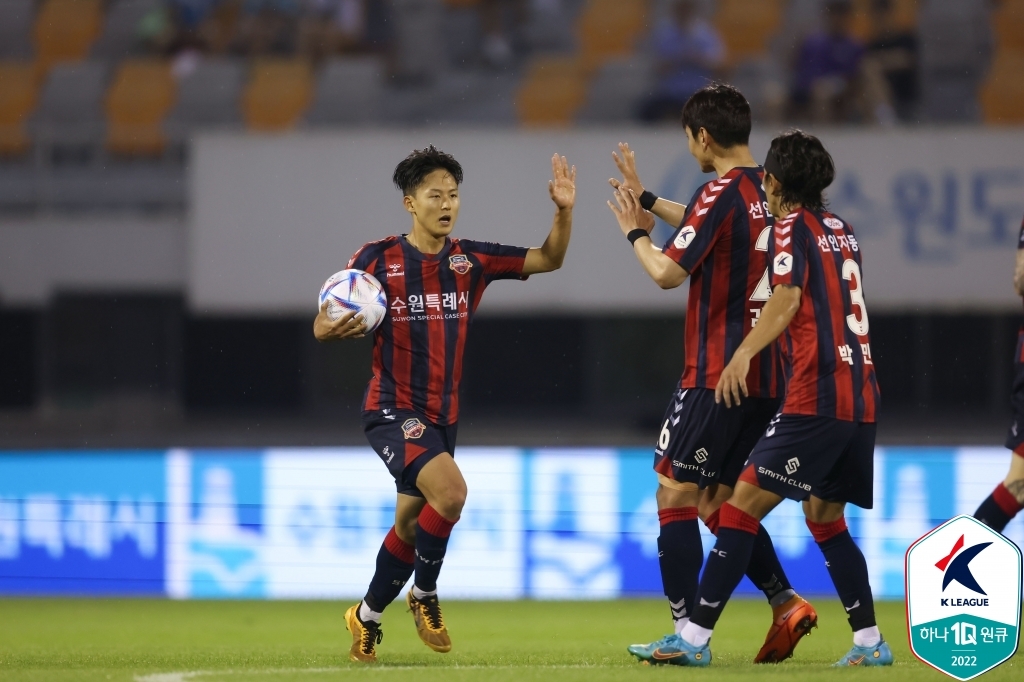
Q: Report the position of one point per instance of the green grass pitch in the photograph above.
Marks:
(54, 640)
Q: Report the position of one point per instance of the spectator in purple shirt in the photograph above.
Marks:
(826, 77)
(687, 52)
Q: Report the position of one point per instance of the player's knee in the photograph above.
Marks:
(406, 531)
(670, 498)
(451, 500)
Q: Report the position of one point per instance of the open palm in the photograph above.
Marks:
(562, 187)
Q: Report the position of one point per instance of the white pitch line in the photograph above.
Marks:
(192, 674)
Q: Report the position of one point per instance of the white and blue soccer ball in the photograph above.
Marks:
(354, 290)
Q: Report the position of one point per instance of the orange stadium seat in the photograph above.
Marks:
(609, 28)
(19, 89)
(137, 103)
(863, 28)
(278, 93)
(1002, 96)
(65, 30)
(1008, 23)
(553, 90)
(746, 26)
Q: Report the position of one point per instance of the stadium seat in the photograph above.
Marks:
(120, 37)
(278, 93)
(552, 91)
(1008, 22)
(16, 28)
(746, 26)
(1002, 96)
(348, 91)
(65, 30)
(137, 104)
(610, 28)
(18, 91)
(70, 106)
(209, 96)
(617, 88)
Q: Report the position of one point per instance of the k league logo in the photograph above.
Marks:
(963, 612)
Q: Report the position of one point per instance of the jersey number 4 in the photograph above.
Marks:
(763, 290)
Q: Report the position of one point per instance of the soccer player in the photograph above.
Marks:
(1008, 497)
(819, 449)
(433, 285)
(721, 245)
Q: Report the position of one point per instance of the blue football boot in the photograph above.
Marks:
(880, 654)
(672, 650)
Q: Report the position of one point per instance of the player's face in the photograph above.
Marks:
(435, 203)
(698, 150)
(771, 191)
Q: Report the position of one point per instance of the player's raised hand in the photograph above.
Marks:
(732, 384)
(628, 212)
(626, 163)
(348, 326)
(562, 186)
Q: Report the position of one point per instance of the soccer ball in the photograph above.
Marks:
(354, 290)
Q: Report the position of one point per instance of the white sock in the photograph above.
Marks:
(781, 598)
(420, 594)
(681, 623)
(869, 637)
(366, 614)
(695, 634)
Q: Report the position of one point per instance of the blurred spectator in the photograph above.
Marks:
(687, 52)
(331, 26)
(267, 26)
(502, 21)
(826, 74)
(890, 66)
(956, 48)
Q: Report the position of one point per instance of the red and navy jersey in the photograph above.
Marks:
(1020, 335)
(418, 348)
(723, 244)
(826, 349)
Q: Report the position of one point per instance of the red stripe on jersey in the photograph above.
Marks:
(716, 335)
(843, 375)
(462, 290)
(401, 339)
(436, 337)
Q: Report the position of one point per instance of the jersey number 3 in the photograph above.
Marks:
(858, 319)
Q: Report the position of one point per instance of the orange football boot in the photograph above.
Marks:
(430, 627)
(365, 637)
(791, 621)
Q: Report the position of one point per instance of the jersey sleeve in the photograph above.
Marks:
(702, 224)
(364, 259)
(499, 261)
(788, 251)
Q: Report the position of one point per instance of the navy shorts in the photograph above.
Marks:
(406, 441)
(706, 443)
(800, 456)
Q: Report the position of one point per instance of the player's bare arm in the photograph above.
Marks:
(348, 326)
(1018, 273)
(665, 272)
(775, 317)
(669, 211)
(562, 188)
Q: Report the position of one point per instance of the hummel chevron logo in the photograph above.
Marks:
(784, 230)
(702, 211)
(856, 604)
(959, 568)
(704, 198)
(783, 242)
(677, 407)
(712, 604)
(674, 420)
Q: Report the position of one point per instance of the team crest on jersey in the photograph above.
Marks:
(834, 223)
(783, 263)
(460, 263)
(684, 237)
(413, 428)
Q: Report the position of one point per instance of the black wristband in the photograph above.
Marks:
(637, 234)
(647, 200)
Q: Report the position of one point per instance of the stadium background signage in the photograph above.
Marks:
(928, 206)
(963, 598)
(307, 523)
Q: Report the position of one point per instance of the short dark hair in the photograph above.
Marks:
(806, 168)
(420, 163)
(722, 110)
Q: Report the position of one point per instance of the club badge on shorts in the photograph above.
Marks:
(413, 428)
(459, 263)
(963, 583)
